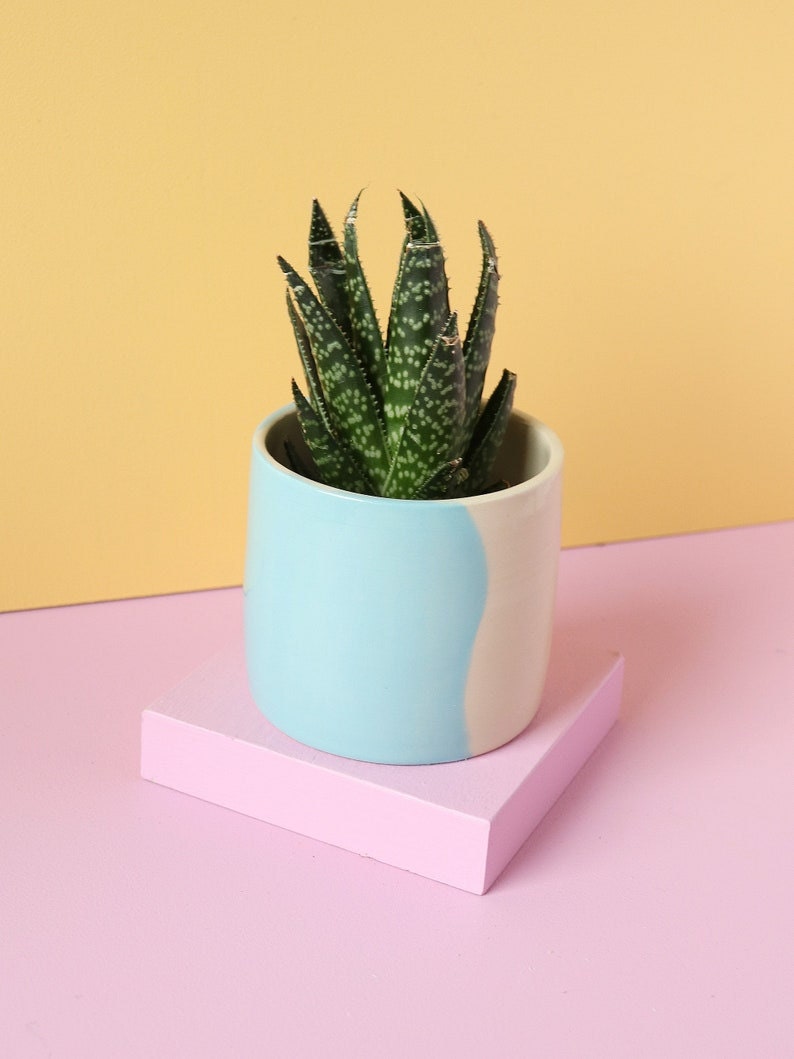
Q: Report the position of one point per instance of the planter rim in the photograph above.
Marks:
(552, 467)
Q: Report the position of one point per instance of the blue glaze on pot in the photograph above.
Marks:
(361, 615)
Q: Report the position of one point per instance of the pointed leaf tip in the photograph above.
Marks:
(352, 213)
(430, 229)
(488, 246)
(415, 224)
(319, 220)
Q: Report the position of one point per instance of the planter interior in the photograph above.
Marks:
(528, 448)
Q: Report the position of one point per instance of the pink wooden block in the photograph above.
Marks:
(458, 823)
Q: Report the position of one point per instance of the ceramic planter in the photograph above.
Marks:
(401, 631)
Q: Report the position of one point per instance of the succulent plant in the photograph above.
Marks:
(399, 416)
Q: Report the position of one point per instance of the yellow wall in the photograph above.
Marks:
(634, 160)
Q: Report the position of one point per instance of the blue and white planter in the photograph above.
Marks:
(401, 631)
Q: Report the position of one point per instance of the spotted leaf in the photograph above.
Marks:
(480, 331)
(431, 425)
(489, 434)
(366, 338)
(313, 383)
(419, 311)
(439, 484)
(327, 268)
(338, 466)
(352, 404)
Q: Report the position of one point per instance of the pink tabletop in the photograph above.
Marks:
(649, 915)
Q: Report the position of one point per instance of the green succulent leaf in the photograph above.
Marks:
(327, 268)
(296, 463)
(431, 233)
(489, 434)
(438, 484)
(419, 312)
(480, 331)
(313, 383)
(431, 425)
(338, 466)
(366, 337)
(401, 417)
(415, 221)
(351, 402)
(415, 231)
